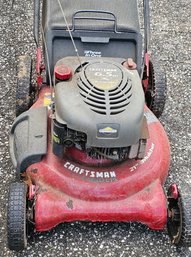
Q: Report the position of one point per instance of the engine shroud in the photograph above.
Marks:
(103, 100)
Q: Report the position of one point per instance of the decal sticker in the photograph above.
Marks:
(149, 153)
(96, 176)
(107, 130)
(104, 76)
(55, 138)
(89, 53)
(47, 99)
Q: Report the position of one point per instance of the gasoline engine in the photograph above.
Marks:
(99, 109)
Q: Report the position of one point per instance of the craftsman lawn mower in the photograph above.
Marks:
(87, 144)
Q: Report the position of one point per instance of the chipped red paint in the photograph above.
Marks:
(32, 192)
(136, 194)
(147, 63)
(39, 67)
(38, 60)
(173, 191)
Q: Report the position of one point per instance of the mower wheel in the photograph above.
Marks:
(179, 217)
(16, 217)
(23, 89)
(155, 95)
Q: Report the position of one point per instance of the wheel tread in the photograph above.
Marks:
(16, 216)
(186, 220)
(157, 84)
(23, 89)
(184, 205)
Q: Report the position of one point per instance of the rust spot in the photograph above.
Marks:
(69, 204)
(148, 189)
(27, 179)
(130, 64)
(41, 189)
(34, 171)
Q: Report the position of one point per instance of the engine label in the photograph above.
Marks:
(105, 130)
(104, 75)
(95, 176)
(149, 153)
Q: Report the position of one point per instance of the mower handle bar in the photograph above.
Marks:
(36, 21)
(146, 25)
(112, 19)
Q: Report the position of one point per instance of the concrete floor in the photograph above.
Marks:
(170, 43)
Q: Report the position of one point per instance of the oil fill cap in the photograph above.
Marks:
(63, 72)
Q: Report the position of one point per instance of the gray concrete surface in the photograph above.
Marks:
(170, 43)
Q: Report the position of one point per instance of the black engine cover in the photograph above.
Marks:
(103, 100)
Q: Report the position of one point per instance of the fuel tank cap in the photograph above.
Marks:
(63, 72)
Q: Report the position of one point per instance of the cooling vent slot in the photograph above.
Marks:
(119, 98)
(106, 102)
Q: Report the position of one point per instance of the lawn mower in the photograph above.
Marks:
(87, 144)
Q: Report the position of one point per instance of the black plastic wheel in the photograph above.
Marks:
(16, 217)
(179, 217)
(155, 95)
(24, 89)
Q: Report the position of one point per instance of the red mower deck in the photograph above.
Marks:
(131, 191)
